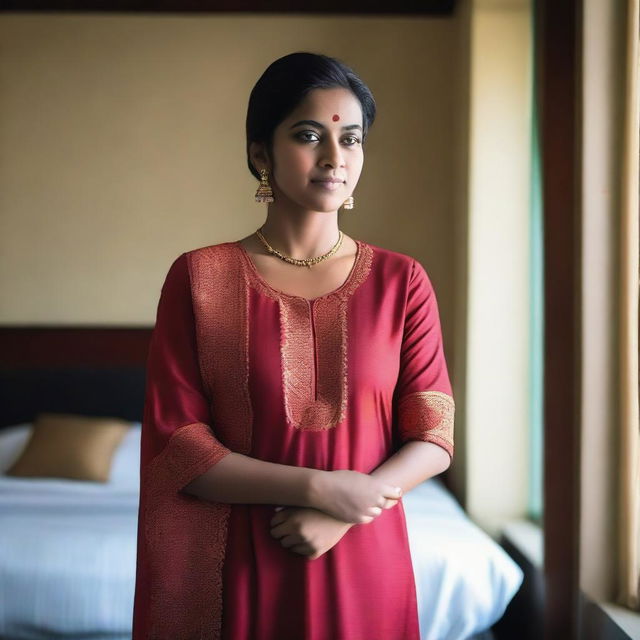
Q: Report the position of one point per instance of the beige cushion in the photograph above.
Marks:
(70, 446)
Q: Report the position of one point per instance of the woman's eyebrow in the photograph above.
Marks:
(314, 123)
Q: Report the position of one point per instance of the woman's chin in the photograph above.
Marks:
(328, 203)
(323, 206)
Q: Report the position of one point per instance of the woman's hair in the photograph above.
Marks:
(286, 82)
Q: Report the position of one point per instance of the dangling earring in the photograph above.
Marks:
(264, 192)
(348, 203)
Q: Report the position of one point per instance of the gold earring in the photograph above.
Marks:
(348, 203)
(264, 192)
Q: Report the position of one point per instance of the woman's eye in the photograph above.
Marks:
(306, 133)
(302, 136)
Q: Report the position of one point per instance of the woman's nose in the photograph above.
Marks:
(332, 155)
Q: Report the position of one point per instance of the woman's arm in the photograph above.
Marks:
(349, 496)
(241, 479)
(312, 532)
(424, 407)
(415, 462)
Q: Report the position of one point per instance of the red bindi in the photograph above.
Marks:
(336, 117)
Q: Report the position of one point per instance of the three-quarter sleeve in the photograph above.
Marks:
(177, 415)
(424, 400)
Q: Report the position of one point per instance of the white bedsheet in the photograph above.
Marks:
(68, 549)
(68, 554)
(67, 559)
(464, 579)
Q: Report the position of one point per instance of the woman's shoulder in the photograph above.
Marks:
(218, 247)
(390, 257)
(221, 255)
(182, 265)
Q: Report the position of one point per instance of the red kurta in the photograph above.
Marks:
(338, 382)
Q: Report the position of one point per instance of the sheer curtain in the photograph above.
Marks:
(629, 521)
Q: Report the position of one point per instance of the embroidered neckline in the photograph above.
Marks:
(354, 275)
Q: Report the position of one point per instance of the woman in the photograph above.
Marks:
(296, 387)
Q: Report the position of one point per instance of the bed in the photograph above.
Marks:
(68, 547)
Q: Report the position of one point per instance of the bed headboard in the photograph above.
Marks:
(95, 371)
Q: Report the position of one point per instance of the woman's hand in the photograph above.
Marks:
(307, 531)
(351, 496)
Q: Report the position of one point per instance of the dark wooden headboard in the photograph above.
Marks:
(96, 371)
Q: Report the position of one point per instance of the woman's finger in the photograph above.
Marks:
(292, 539)
(302, 549)
(277, 519)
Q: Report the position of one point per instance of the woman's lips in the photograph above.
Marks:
(329, 186)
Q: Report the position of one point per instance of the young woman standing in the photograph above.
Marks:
(296, 388)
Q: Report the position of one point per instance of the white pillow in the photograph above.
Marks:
(13, 440)
(125, 466)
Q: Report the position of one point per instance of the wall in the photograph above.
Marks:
(497, 271)
(122, 145)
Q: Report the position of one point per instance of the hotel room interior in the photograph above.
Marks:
(503, 158)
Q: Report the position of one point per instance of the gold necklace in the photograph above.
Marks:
(301, 262)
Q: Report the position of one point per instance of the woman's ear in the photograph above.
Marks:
(258, 156)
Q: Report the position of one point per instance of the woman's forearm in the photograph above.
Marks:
(413, 463)
(241, 479)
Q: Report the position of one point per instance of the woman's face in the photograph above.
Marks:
(320, 139)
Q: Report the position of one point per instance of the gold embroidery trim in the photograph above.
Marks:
(313, 348)
(427, 416)
(221, 309)
(220, 298)
(185, 539)
(314, 362)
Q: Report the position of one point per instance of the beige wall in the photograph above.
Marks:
(122, 145)
(498, 271)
